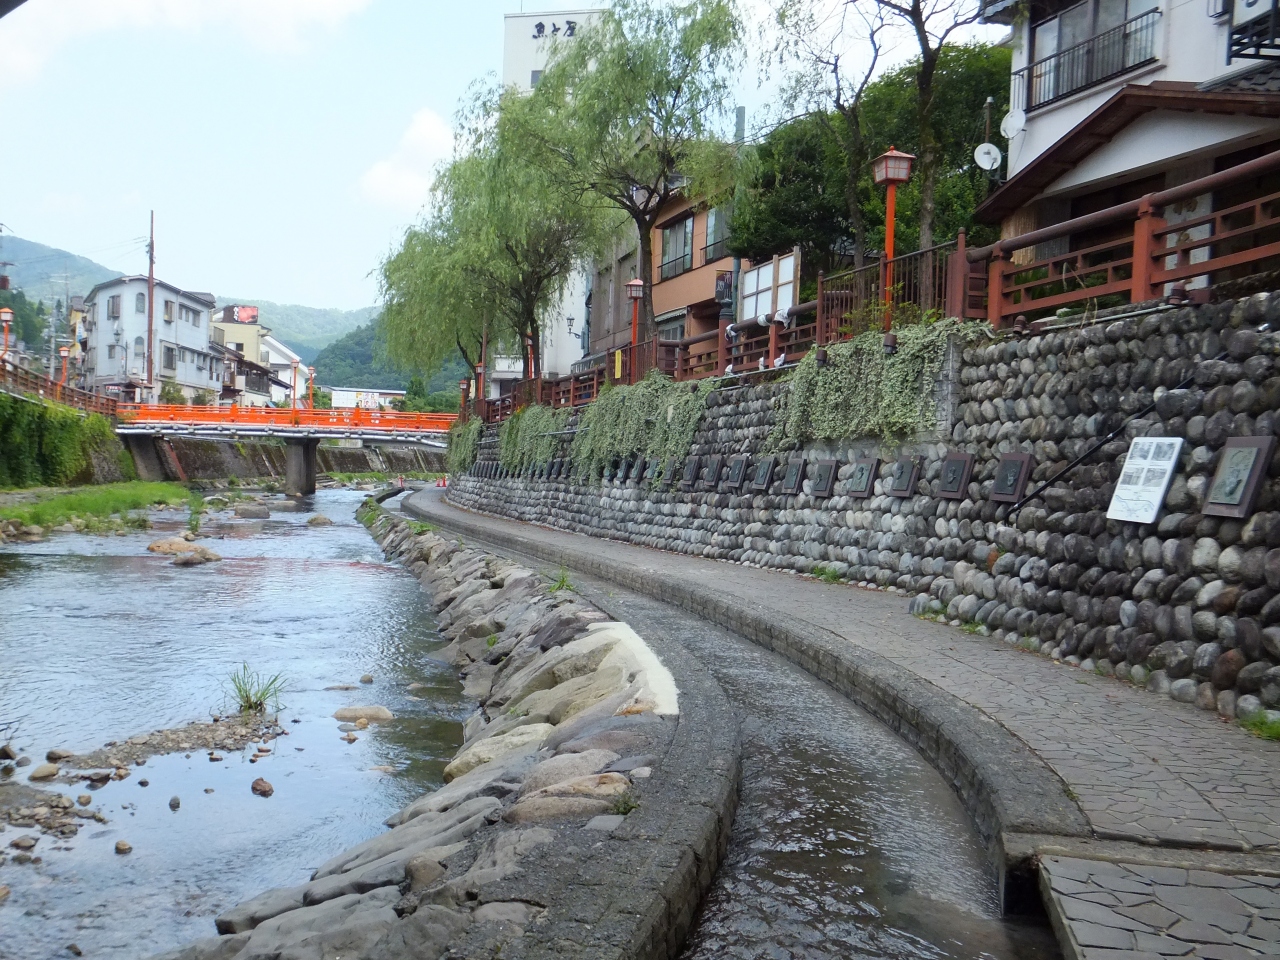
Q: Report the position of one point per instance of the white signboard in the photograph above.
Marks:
(1144, 479)
(768, 288)
(1246, 11)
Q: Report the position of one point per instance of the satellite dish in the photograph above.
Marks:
(987, 156)
(1013, 123)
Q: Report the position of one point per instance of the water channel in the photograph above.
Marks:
(100, 641)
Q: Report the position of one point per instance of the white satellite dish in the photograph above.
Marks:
(1013, 123)
(987, 156)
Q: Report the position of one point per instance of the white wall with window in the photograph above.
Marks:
(1070, 58)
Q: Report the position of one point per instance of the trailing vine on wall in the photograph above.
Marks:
(464, 444)
(656, 417)
(861, 392)
(531, 437)
(46, 443)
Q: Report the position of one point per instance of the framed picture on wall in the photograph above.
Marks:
(1241, 467)
(737, 471)
(862, 479)
(824, 478)
(691, 468)
(902, 482)
(793, 477)
(668, 474)
(711, 474)
(762, 476)
(651, 468)
(1012, 473)
(953, 482)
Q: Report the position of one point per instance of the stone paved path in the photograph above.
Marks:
(1143, 768)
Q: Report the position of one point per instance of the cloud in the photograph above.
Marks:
(33, 34)
(403, 180)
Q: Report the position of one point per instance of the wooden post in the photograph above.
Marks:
(822, 311)
(995, 289)
(722, 350)
(957, 266)
(1144, 229)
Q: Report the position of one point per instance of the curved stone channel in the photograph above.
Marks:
(101, 640)
(846, 842)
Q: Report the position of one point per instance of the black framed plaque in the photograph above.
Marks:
(737, 471)
(690, 476)
(1241, 468)
(953, 481)
(762, 476)
(824, 478)
(651, 468)
(902, 481)
(862, 478)
(1012, 473)
(668, 474)
(793, 477)
(711, 473)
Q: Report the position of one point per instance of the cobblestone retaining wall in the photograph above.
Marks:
(1188, 606)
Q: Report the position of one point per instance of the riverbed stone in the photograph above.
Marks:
(374, 714)
(538, 809)
(45, 771)
(492, 748)
(566, 767)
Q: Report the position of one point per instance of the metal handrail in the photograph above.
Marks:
(1124, 47)
(685, 258)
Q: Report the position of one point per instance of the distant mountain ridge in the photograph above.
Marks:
(46, 273)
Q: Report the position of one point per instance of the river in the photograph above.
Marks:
(101, 640)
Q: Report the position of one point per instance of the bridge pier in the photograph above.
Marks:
(300, 466)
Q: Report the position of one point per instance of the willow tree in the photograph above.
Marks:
(493, 254)
(629, 111)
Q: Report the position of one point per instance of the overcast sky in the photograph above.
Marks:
(284, 144)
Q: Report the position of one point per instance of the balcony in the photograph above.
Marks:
(676, 265)
(715, 251)
(1095, 61)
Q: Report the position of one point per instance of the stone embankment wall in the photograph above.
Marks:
(1188, 606)
(183, 458)
(584, 815)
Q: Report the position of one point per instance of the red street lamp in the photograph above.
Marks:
(63, 352)
(635, 290)
(6, 315)
(890, 169)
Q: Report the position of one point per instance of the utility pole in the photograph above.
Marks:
(986, 138)
(151, 305)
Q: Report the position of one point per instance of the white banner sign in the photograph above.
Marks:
(1144, 479)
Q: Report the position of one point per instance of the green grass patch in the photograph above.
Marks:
(96, 503)
(562, 582)
(253, 692)
(195, 509)
(1262, 727)
(624, 803)
(827, 574)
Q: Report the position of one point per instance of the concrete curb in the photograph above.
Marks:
(634, 894)
(1005, 786)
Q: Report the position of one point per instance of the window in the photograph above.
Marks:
(111, 351)
(140, 303)
(113, 306)
(717, 235)
(677, 248)
(139, 347)
(169, 358)
(168, 311)
(1086, 44)
(534, 77)
(189, 316)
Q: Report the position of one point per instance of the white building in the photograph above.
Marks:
(366, 399)
(528, 40)
(285, 365)
(118, 359)
(1114, 99)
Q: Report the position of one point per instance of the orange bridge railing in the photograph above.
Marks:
(340, 419)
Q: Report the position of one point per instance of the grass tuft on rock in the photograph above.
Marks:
(562, 582)
(254, 692)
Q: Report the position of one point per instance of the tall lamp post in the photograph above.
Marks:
(63, 352)
(890, 169)
(311, 388)
(635, 290)
(6, 315)
(294, 364)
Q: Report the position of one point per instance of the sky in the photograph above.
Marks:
(284, 145)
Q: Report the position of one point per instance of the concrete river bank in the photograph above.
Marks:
(101, 641)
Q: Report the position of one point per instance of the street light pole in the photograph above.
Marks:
(311, 388)
(635, 290)
(890, 168)
(7, 316)
(63, 352)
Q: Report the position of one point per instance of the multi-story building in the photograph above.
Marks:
(120, 361)
(528, 39)
(690, 250)
(241, 331)
(1112, 100)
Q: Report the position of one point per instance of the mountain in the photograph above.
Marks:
(39, 271)
(308, 330)
(359, 360)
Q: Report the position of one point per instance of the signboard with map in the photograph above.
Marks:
(1144, 479)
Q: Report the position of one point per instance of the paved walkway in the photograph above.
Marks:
(1143, 769)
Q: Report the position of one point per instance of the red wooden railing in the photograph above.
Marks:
(20, 380)
(346, 418)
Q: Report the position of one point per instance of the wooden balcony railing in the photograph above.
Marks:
(18, 379)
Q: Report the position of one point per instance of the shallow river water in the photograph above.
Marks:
(100, 640)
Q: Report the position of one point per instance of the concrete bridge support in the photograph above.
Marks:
(300, 467)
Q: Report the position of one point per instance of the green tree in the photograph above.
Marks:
(627, 112)
(170, 392)
(30, 318)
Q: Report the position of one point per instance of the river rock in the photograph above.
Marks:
(566, 767)
(45, 771)
(252, 511)
(171, 546)
(123, 847)
(553, 808)
(261, 788)
(374, 714)
(495, 747)
(424, 935)
(319, 520)
(54, 756)
(601, 785)
(367, 678)
(1184, 690)
(175, 803)
(210, 948)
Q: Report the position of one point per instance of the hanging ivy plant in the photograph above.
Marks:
(464, 444)
(531, 437)
(45, 442)
(656, 417)
(861, 392)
